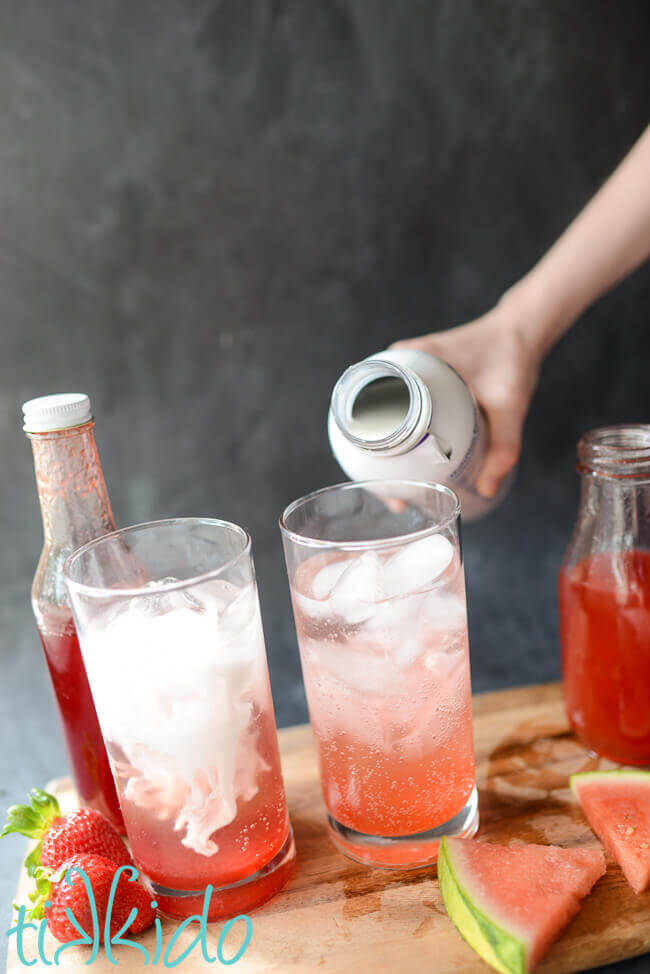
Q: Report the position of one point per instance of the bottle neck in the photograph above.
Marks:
(614, 463)
(616, 453)
(71, 490)
(381, 407)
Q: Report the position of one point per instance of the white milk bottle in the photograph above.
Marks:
(404, 414)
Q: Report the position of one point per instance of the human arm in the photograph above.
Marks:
(500, 353)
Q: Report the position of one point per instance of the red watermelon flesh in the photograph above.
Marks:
(617, 806)
(530, 891)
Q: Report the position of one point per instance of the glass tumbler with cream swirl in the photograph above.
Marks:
(171, 634)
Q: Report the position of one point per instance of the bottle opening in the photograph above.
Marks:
(380, 408)
(616, 451)
(378, 405)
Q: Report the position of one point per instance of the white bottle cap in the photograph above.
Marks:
(58, 412)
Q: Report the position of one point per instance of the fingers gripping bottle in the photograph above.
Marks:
(75, 508)
(404, 414)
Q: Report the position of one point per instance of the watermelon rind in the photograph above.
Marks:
(497, 947)
(615, 774)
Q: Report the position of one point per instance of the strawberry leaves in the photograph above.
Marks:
(32, 820)
(43, 880)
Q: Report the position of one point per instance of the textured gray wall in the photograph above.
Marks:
(209, 208)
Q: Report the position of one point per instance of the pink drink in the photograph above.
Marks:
(242, 848)
(179, 677)
(383, 642)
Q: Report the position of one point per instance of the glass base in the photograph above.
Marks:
(230, 900)
(633, 760)
(627, 761)
(404, 851)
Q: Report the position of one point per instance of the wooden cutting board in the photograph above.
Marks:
(339, 917)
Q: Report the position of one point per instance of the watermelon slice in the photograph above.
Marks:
(511, 902)
(617, 806)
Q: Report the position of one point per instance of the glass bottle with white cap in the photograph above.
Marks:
(75, 508)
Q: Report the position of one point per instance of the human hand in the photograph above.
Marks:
(499, 354)
(501, 366)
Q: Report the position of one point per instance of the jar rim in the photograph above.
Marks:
(618, 451)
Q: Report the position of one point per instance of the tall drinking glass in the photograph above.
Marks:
(170, 630)
(378, 593)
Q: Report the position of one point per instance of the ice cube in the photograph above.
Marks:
(416, 566)
(447, 668)
(359, 667)
(445, 611)
(325, 580)
(396, 615)
(318, 586)
(358, 589)
(311, 607)
(408, 650)
(158, 603)
(238, 613)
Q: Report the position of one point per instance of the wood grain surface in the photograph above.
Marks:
(336, 916)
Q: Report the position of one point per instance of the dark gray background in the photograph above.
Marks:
(208, 209)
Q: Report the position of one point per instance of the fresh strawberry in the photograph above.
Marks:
(84, 830)
(60, 837)
(66, 890)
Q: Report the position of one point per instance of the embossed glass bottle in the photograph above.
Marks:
(75, 508)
